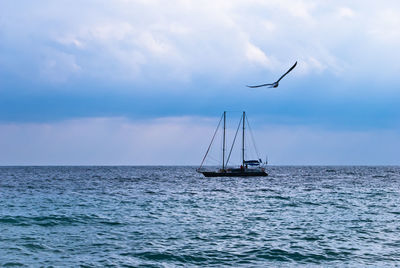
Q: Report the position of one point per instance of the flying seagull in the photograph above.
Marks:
(276, 84)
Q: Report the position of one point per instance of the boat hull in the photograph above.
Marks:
(235, 174)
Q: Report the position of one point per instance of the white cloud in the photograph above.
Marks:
(269, 26)
(70, 41)
(57, 66)
(153, 45)
(345, 12)
(299, 8)
(140, 40)
(256, 55)
(110, 31)
(386, 26)
(183, 36)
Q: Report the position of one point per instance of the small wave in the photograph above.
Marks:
(267, 190)
(34, 246)
(228, 236)
(111, 222)
(188, 193)
(48, 221)
(310, 238)
(309, 203)
(151, 192)
(13, 220)
(220, 190)
(279, 197)
(13, 264)
(256, 218)
(158, 256)
(395, 212)
(283, 255)
(128, 179)
(55, 220)
(330, 171)
(291, 204)
(198, 237)
(252, 234)
(7, 186)
(169, 257)
(379, 176)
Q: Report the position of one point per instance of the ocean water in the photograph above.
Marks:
(174, 217)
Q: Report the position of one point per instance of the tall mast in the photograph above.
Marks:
(223, 144)
(244, 120)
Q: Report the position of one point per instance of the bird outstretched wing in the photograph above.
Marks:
(263, 85)
(291, 68)
(276, 84)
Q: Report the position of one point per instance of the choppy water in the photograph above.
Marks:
(172, 216)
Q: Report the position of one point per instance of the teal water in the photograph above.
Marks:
(173, 217)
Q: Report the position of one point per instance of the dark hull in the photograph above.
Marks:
(235, 174)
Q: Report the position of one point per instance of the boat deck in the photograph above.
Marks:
(234, 174)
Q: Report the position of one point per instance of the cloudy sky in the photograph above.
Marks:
(144, 82)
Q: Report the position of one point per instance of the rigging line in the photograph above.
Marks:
(212, 140)
(215, 161)
(233, 143)
(254, 141)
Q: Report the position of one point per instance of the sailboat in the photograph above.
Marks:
(247, 168)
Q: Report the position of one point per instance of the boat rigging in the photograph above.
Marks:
(248, 168)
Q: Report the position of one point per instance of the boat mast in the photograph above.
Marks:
(223, 144)
(244, 120)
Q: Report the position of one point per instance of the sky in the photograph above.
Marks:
(144, 82)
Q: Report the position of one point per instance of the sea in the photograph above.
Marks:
(298, 216)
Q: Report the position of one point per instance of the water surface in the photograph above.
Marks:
(172, 216)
